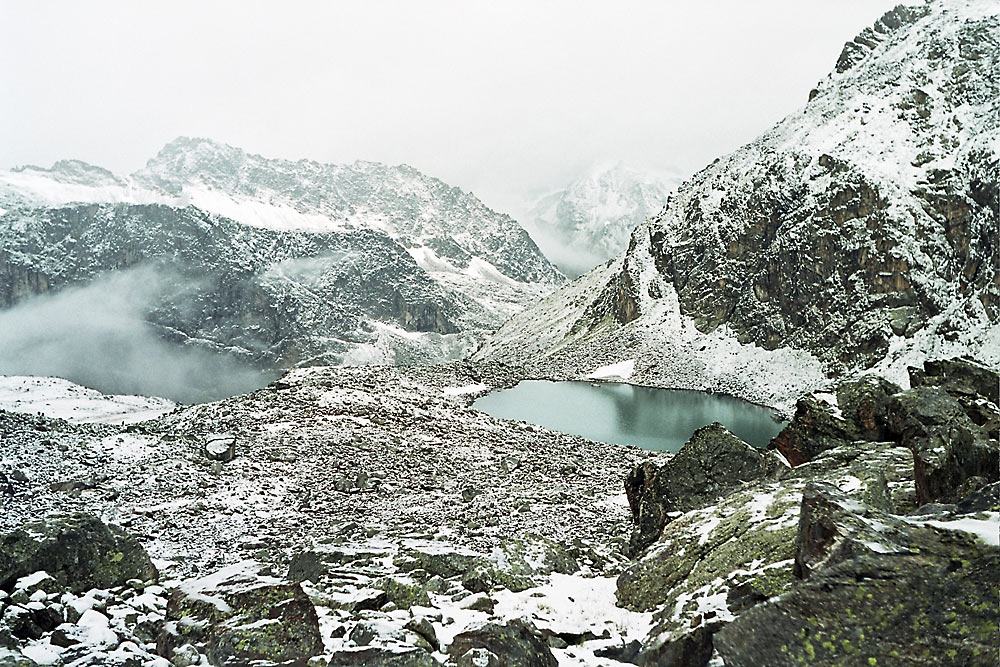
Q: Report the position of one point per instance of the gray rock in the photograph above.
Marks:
(710, 465)
(949, 449)
(78, 550)
(307, 566)
(813, 430)
(402, 593)
(423, 627)
(514, 644)
(865, 403)
(242, 621)
(690, 649)
(834, 527)
(219, 447)
(919, 595)
(384, 657)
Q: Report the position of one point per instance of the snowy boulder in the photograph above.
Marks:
(78, 551)
(30, 621)
(814, 429)
(384, 657)
(219, 447)
(834, 527)
(952, 456)
(236, 618)
(711, 464)
(515, 643)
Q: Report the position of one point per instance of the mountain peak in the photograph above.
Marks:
(74, 172)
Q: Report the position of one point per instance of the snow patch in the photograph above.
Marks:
(621, 370)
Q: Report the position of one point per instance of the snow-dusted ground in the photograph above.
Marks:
(368, 460)
(62, 399)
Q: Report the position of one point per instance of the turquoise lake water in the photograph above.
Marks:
(657, 419)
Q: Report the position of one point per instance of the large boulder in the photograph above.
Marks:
(740, 551)
(238, 619)
(865, 403)
(710, 465)
(952, 455)
(975, 386)
(78, 550)
(834, 527)
(383, 657)
(880, 590)
(515, 643)
(960, 377)
(814, 429)
(686, 649)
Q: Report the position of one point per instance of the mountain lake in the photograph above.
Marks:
(656, 419)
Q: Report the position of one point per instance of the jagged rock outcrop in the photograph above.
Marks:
(952, 455)
(895, 483)
(864, 402)
(879, 590)
(710, 465)
(814, 429)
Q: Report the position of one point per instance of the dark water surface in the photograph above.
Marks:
(658, 419)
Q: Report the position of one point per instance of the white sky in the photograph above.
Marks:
(507, 99)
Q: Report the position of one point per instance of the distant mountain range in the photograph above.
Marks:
(589, 222)
(276, 263)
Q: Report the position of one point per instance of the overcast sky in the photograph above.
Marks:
(507, 99)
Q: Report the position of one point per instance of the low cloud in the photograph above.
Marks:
(96, 335)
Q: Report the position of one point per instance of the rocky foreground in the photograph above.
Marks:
(369, 516)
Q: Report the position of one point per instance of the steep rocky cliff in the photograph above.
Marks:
(861, 229)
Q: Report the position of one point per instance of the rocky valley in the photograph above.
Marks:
(316, 487)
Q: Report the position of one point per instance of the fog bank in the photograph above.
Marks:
(96, 335)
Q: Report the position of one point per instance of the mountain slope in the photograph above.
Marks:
(278, 263)
(861, 230)
(590, 220)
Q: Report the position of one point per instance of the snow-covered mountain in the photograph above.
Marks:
(860, 231)
(589, 222)
(279, 263)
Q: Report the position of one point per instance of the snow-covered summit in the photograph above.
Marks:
(590, 220)
(282, 263)
(419, 211)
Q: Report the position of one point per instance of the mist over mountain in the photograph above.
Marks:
(275, 263)
(859, 232)
(590, 221)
